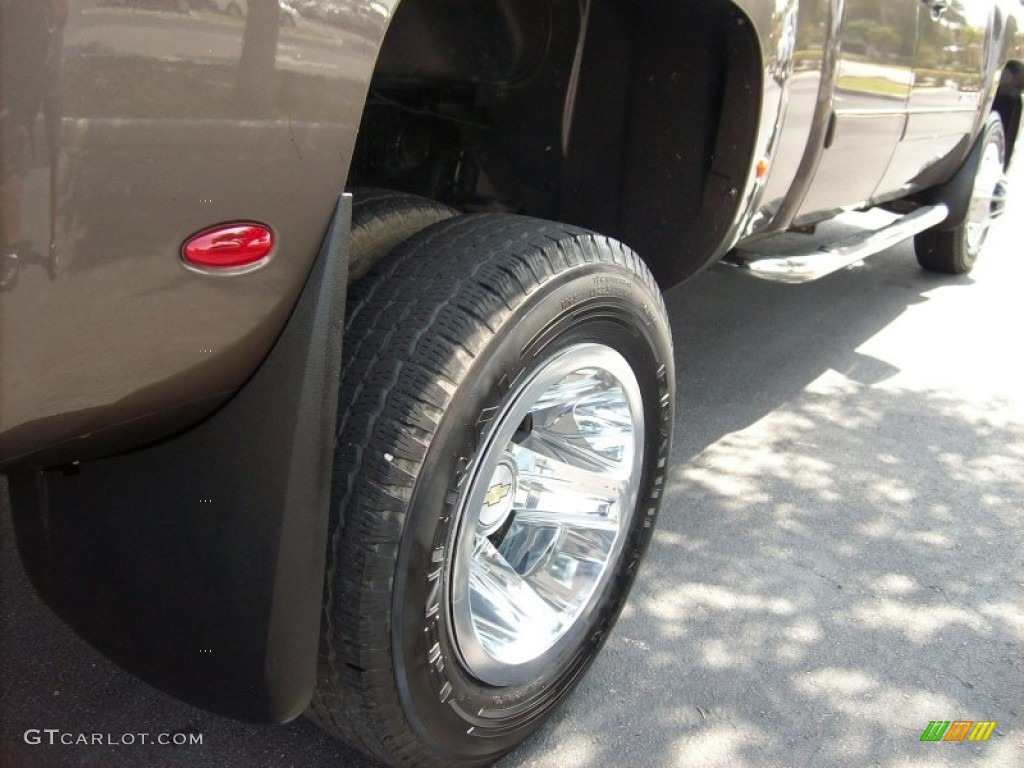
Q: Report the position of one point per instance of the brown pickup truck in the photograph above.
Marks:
(335, 375)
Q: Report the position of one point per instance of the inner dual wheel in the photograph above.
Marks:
(504, 429)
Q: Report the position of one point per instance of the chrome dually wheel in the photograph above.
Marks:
(504, 432)
(544, 515)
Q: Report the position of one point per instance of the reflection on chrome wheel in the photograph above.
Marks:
(988, 199)
(505, 421)
(544, 516)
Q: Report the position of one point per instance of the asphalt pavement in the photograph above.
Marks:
(839, 560)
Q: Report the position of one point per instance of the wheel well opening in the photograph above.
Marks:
(635, 119)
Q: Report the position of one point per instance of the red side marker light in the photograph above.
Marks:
(229, 248)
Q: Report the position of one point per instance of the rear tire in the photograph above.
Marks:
(382, 219)
(446, 352)
(955, 251)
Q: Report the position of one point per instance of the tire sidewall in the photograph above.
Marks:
(458, 716)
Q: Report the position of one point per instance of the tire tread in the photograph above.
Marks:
(413, 329)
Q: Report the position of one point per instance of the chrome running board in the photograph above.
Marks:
(807, 266)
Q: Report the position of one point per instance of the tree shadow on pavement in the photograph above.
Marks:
(838, 560)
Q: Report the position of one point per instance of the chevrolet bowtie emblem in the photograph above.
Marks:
(496, 493)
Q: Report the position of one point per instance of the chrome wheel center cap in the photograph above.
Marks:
(497, 501)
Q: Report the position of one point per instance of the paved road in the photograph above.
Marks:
(839, 560)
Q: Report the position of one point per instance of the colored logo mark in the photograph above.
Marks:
(959, 730)
(496, 493)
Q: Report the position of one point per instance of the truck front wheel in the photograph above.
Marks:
(504, 430)
(955, 251)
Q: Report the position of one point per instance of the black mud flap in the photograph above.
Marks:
(956, 193)
(197, 564)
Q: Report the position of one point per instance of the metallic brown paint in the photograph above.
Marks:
(149, 126)
(137, 127)
(807, 182)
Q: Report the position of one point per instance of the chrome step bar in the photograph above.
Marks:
(805, 267)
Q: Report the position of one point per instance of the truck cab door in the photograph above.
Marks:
(869, 105)
(946, 96)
